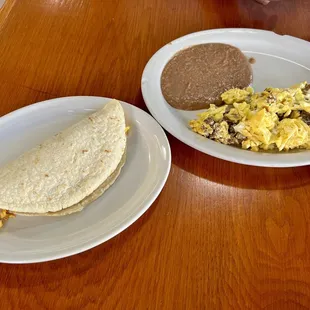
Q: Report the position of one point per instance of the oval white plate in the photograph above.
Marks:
(38, 239)
(281, 61)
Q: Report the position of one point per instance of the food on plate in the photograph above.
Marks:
(252, 60)
(276, 119)
(4, 216)
(196, 77)
(68, 171)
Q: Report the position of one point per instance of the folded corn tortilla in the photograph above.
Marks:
(70, 170)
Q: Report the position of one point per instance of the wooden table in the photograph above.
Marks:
(221, 235)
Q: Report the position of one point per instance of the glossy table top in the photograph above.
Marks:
(221, 235)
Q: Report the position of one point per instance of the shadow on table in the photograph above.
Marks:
(246, 14)
(236, 175)
(77, 266)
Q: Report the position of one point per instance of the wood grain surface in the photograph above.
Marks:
(221, 235)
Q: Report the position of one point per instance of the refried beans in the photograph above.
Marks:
(196, 77)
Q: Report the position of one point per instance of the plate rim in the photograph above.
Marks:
(96, 241)
(193, 144)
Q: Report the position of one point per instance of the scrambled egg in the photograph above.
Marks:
(4, 216)
(275, 119)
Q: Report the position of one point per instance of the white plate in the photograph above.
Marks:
(281, 61)
(38, 239)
